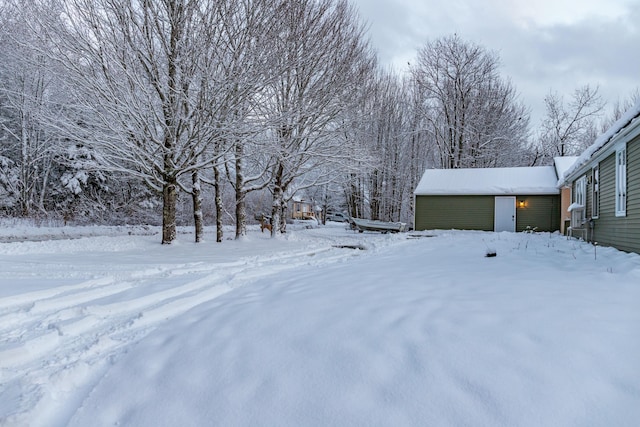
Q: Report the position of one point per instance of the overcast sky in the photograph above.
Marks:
(543, 45)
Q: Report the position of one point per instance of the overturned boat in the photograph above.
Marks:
(375, 225)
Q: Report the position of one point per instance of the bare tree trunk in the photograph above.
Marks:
(45, 183)
(241, 207)
(412, 176)
(241, 214)
(355, 197)
(276, 211)
(196, 195)
(169, 196)
(218, 202)
(325, 204)
(283, 217)
(25, 202)
(278, 221)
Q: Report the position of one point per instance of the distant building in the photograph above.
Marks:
(302, 209)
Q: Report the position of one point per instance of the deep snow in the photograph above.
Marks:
(117, 329)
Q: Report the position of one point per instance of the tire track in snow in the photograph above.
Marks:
(9, 303)
(47, 332)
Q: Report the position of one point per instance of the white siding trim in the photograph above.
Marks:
(621, 181)
(595, 191)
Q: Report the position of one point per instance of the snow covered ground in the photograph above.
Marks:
(116, 329)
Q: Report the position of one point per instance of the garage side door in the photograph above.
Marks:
(505, 214)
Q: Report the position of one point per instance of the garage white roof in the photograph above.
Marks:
(495, 181)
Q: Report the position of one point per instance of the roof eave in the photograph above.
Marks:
(602, 152)
(524, 192)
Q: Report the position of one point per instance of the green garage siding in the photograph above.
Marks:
(477, 212)
(542, 212)
(621, 232)
(458, 212)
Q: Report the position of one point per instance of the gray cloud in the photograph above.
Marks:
(388, 29)
(595, 49)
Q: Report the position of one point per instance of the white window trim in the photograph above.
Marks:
(595, 191)
(581, 193)
(621, 181)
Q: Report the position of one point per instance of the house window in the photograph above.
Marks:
(580, 195)
(621, 181)
(595, 189)
(581, 187)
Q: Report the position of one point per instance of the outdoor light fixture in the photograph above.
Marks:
(521, 203)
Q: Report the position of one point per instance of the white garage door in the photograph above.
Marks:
(505, 214)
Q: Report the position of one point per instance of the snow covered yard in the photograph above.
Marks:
(120, 330)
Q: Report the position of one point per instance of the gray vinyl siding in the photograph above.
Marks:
(620, 232)
(607, 192)
(454, 212)
(541, 212)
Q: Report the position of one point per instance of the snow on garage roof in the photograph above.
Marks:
(493, 181)
(563, 164)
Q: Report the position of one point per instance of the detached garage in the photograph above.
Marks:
(498, 199)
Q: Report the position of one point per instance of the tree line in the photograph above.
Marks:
(193, 111)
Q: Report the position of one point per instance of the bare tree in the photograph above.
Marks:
(620, 107)
(569, 128)
(244, 94)
(325, 58)
(141, 73)
(388, 135)
(27, 89)
(393, 127)
(245, 60)
(473, 115)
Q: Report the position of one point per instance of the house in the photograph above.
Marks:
(302, 209)
(496, 199)
(605, 186)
